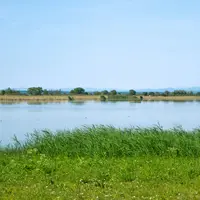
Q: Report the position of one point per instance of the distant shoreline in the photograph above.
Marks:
(171, 98)
(48, 98)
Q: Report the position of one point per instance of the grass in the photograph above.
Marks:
(36, 176)
(103, 162)
(32, 98)
(108, 141)
(7, 98)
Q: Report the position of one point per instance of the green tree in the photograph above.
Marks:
(157, 93)
(35, 91)
(190, 93)
(166, 93)
(104, 92)
(97, 93)
(57, 92)
(3, 92)
(145, 93)
(113, 92)
(10, 91)
(77, 90)
(45, 92)
(132, 92)
(152, 93)
(180, 92)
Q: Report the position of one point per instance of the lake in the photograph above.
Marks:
(22, 118)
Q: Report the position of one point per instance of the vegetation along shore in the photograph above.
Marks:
(79, 94)
(103, 162)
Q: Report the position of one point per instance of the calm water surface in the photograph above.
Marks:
(20, 119)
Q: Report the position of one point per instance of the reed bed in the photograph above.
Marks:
(96, 97)
(108, 141)
(32, 98)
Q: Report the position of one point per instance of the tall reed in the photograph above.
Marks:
(108, 141)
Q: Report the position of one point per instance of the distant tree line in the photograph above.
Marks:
(9, 91)
(35, 91)
(174, 93)
(113, 92)
(32, 91)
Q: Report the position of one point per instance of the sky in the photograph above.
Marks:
(99, 43)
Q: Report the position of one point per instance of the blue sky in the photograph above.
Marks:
(100, 43)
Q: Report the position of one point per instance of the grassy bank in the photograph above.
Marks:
(47, 98)
(103, 163)
(33, 98)
(10, 98)
(171, 98)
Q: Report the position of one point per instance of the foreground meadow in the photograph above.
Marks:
(103, 163)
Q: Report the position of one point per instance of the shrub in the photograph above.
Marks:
(102, 98)
(132, 92)
(70, 98)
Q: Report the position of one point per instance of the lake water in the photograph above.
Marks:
(20, 119)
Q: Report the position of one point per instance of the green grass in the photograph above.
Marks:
(36, 176)
(107, 141)
(103, 163)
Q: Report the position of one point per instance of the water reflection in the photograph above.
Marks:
(78, 103)
(37, 103)
(134, 102)
(9, 102)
